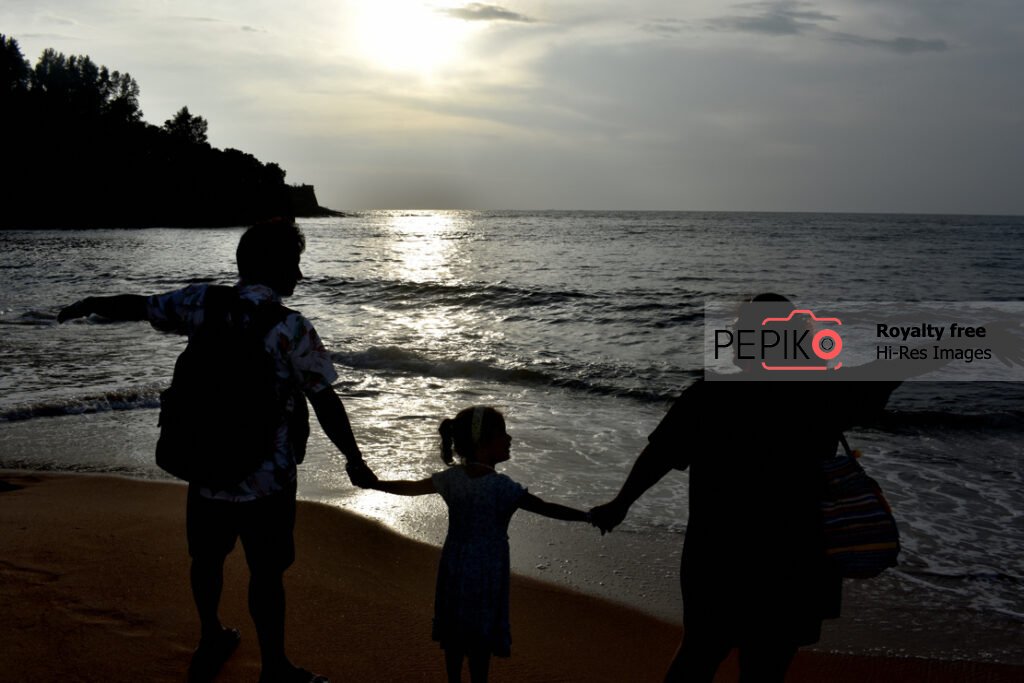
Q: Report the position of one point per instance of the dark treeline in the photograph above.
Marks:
(78, 154)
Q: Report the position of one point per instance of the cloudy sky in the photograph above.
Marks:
(826, 105)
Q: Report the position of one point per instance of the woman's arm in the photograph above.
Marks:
(649, 468)
(401, 487)
(553, 510)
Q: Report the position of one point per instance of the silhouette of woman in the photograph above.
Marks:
(754, 574)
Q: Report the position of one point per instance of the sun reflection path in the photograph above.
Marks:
(424, 244)
(425, 248)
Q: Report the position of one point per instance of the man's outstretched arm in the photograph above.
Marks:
(330, 413)
(119, 307)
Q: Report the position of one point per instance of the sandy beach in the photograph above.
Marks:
(94, 583)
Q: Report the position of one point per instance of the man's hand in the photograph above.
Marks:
(79, 309)
(360, 474)
(117, 307)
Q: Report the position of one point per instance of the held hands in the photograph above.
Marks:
(360, 474)
(608, 516)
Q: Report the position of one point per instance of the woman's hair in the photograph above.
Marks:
(470, 428)
(751, 313)
(269, 250)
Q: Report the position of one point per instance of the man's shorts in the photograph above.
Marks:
(265, 525)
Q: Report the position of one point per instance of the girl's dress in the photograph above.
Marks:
(471, 602)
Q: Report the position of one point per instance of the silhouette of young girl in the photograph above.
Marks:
(471, 615)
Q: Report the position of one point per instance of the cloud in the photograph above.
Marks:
(901, 45)
(774, 18)
(46, 36)
(194, 19)
(205, 20)
(794, 18)
(55, 19)
(476, 11)
(665, 27)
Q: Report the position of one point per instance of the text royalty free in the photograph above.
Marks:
(793, 342)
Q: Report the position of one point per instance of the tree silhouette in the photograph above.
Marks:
(79, 87)
(85, 157)
(187, 127)
(14, 68)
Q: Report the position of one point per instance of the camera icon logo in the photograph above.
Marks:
(826, 343)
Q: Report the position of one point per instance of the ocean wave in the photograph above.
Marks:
(395, 359)
(31, 318)
(593, 379)
(983, 574)
(912, 420)
(118, 399)
(985, 589)
(657, 310)
(495, 295)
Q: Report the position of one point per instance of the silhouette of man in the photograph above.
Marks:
(754, 574)
(260, 510)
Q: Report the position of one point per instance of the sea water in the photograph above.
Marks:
(582, 327)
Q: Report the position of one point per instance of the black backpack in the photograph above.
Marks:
(219, 417)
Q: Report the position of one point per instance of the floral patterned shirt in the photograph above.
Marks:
(300, 360)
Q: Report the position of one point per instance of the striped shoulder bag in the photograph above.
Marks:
(861, 538)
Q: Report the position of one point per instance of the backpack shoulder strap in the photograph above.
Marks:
(265, 316)
(219, 298)
(223, 305)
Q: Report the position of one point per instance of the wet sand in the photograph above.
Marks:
(94, 581)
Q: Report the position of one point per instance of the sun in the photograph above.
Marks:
(408, 36)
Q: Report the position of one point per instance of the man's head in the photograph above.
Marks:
(268, 254)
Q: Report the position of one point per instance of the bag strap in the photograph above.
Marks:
(846, 445)
(264, 317)
(852, 453)
(223, 304)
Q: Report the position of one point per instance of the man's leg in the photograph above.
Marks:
(211, 536)
(207, 577)
(267, 607)
(268, 536)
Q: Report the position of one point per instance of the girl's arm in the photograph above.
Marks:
(401, 487)
(553, 510)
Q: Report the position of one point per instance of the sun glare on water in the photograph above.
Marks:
(408, 36)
